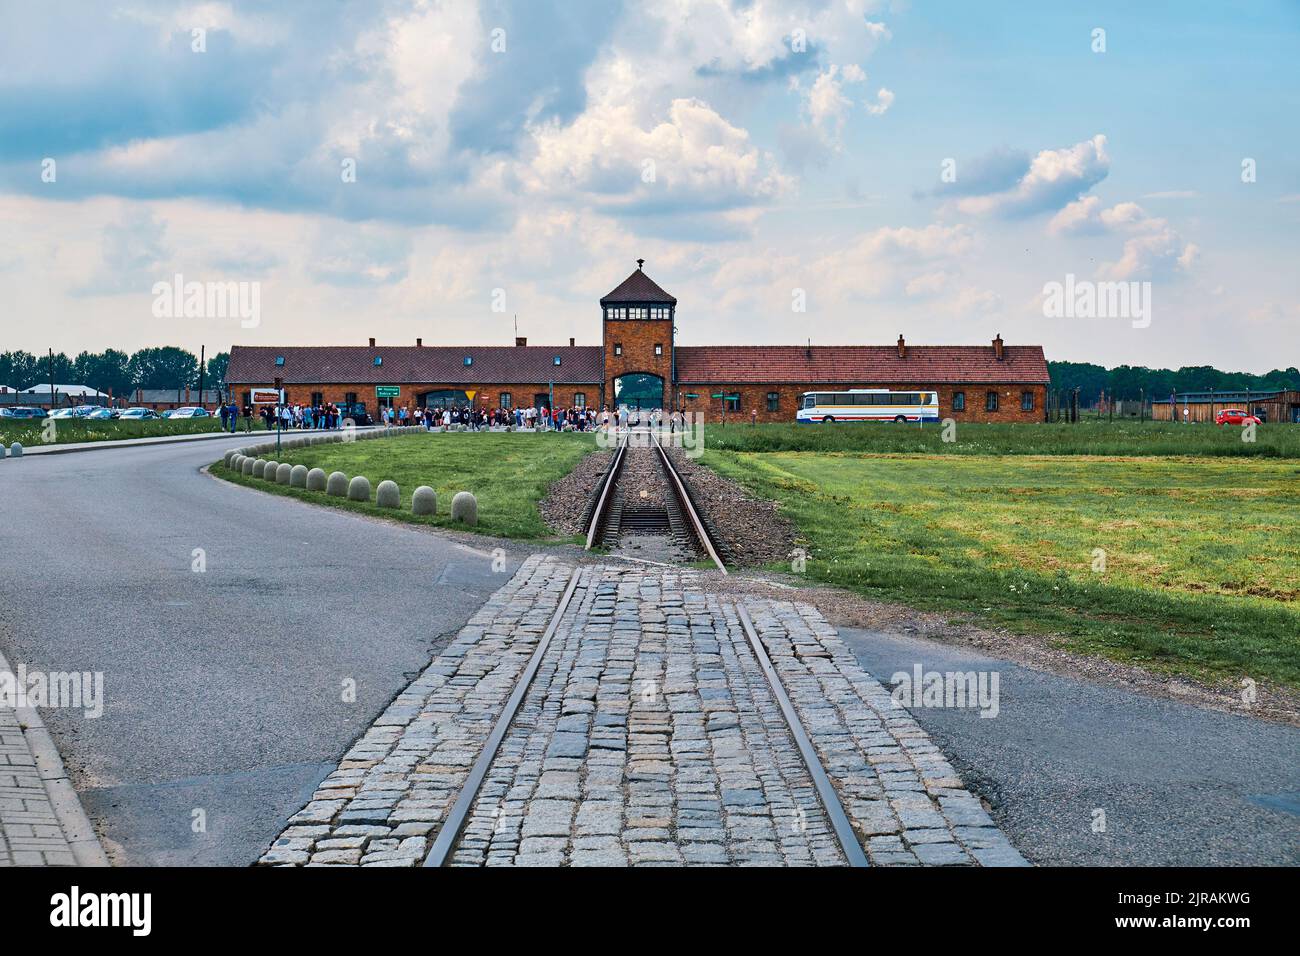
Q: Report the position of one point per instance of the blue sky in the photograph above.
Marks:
(526, 153)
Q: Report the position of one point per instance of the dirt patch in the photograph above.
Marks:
(752, 530)
(565, 504)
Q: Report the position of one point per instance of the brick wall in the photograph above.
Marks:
(485, 395)
(755, 398)
(638, 338)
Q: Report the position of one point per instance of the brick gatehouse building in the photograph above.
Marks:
(639, 364)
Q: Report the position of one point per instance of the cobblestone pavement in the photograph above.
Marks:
(650, 736)
(30, 834)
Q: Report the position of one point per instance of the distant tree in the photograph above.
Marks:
(167, 367)
(217, 370)
(18, 370)
(108, 371)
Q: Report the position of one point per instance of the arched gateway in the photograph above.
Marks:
(639, 390)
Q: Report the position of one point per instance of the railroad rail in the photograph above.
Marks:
(453, 826)
(611, 516)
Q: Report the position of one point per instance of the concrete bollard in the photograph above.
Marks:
(283, 472)
(3, 451)
(298, 476)
(424, 501)
(235, 463)
(388, 495)
(316, 480)
(359, 489)
(268, 471)
(228, 457)
(16, 450)
(464, 507)
(246, 466)
(337, 484)
(259, 468)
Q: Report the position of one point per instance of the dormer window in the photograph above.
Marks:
(279, 360)
(379, 360)
(469, 360)
(557, 360)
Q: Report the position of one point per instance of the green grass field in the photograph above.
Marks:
(1040, 438)
(30, 431)
(509, 473)
(1202, 555)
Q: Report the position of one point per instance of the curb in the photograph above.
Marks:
(70, 447)
(73, 821)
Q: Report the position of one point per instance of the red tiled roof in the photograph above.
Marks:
(860, 364)
(346, 364)
(638, 288)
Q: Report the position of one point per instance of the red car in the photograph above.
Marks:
(1236, 416)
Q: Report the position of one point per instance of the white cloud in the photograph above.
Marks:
(1153, 248)
(1055, 177)
(884, 100)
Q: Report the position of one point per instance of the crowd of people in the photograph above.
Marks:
(328, 416)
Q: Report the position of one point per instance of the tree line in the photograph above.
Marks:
(113, 371)
(1157, 384)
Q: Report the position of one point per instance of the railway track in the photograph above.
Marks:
(611, 510)
(643, 494)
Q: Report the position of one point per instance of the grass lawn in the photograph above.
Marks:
(29, 430)
(508, 473)
(1202, 555)
(1038, 438)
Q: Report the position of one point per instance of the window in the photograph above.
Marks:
(317, 398)
(1026, 401)
(618, 348)
(557, 360)
(637, 313)
(350, 398)
(809, 401)
(469, 360)
(959, 401)
(732, 403)
(660, 312)
(248, 398)
(773, 401)
(659, 349)
(279, 360)
(506, 400)
(579, 399)
(991, 402)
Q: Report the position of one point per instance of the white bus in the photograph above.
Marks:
(868, 405)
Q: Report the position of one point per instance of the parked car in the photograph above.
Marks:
(190, 411)
(138, 415)
(80, 411)
(25, 411)
(101, 414)
(1236, 416)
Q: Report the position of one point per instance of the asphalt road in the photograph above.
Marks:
(1178, 785)
(224, 688)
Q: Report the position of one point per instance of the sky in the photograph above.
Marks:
(843, 171)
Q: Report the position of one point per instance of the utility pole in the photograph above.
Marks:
(202, 354)
(51, 380)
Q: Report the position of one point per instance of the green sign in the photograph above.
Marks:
(734, 398)
(387, 391)
(691, 395)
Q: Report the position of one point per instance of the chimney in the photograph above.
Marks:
(372, 343)
(419, 343)
(570, 341)
(997, 347)
(902, 347)
(520, 341)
